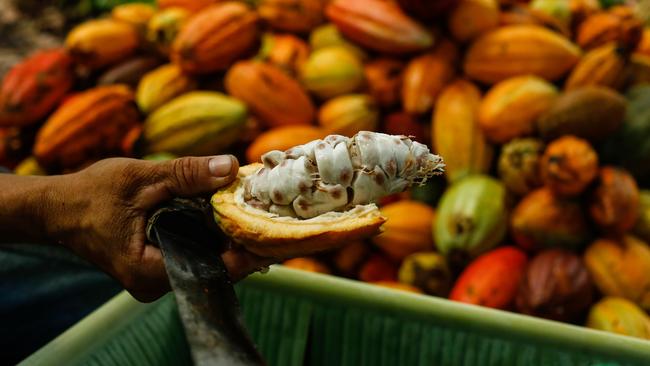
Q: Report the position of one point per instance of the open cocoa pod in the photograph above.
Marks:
(320, 195)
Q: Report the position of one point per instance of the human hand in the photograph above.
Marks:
(101, 213)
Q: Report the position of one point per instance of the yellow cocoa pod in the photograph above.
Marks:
(196, 123)
(101, 42)
(164, 26)
(327, 35)
(428, 271)
(456, 132)
(604, 66)
(349, 114)
(161, 85)
(135, 14)
(29, 166)
(519, 50)
(332, 71)
(621, 268)
(408, 229)
(618, 315)
(511, 107)
(471, 18)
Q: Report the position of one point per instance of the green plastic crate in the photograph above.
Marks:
(301, 318)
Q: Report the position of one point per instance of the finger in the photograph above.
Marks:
(241, 263)
(152, 281)
(191, 176)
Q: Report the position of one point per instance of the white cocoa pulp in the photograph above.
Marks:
(337, 174)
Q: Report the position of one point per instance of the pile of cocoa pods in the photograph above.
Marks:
(541, 110)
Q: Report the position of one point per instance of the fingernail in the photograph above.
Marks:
(220, 166)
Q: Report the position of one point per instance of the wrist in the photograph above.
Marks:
(51, 206)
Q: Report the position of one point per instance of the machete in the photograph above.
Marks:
(192, 244)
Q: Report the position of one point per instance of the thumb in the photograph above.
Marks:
(191, 176)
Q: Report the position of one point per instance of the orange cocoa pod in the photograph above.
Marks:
(384, 79)
(215, 38)
(282, 138)
(101, 42)
(569, 165)
(379, 25)
(492, 279)
(618, 24)
(543, 220)
(408, 229)
(32, 88)
(614, 204)
(349, 258)
(307, 264)
(273, 96)
(91, 125)
(398, 286)
(299, 16)
(620, 267)
(402, 123)
(378, 268)
(520, 14)
(519, 50)
(644, 44)
(517, 15)
(425, 76)
(511, 107)
(604, 66)
(192, 6)
(471, 18)
(285, 51)
(456, 134)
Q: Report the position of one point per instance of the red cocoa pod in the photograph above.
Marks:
(90, 125)
(379, 25)
(614, 204)
(31, 89)
(273, 96)
(378, 268)
(384, 79)
(492, 279)
(402, 123)
(215, 38)
(556, 285)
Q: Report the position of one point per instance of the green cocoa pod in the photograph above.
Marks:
(642, 227)
(519, 167)
(472, 218)
(196, 123)
(332, 71)
(630, 146)
(590, 112)
(618, 315)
